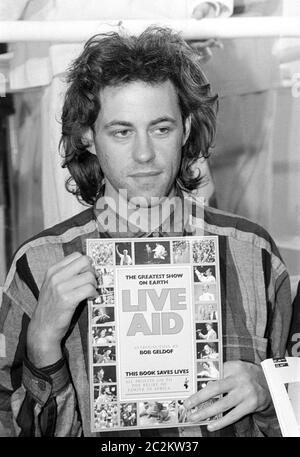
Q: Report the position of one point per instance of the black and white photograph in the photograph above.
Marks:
(128, 414)
(106, 416)
(205, 274)
(206, 311)
(105, 354)
(181, 251)
(123, 254)
(205, 292)
(204, 251)
(105, 393)
(101, 253)
(207, 350)
(105, 374)
(149, 213)
(103, 315)
(104, 335)
(156, 413)
(208, 369)
(207, 331)
(106, 296)
(202, 384)
(105, 277)
(157, 252)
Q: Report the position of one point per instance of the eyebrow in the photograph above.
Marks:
(129, 124)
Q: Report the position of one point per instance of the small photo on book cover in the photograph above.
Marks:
(105, 297)
(205, 292)
(104, 354)
(209, 350)
(150, 252)
(181, 251)
(207, 331)
(103, 315)
(208, 369)
(204, 251)
(103, 335)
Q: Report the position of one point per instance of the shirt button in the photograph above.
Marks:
(42, 385)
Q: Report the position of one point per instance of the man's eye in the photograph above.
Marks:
(124, 133)
(162, 130)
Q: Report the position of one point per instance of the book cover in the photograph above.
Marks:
(283, 378)
(154, 330)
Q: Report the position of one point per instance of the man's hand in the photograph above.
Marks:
(245, 389)
(66, 284)
(204, 47)
(202, 11)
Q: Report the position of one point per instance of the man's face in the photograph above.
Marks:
(139, 136)
(206, 349)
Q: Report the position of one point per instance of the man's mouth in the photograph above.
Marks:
(145, 174)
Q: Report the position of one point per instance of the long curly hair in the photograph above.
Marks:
(155, 56)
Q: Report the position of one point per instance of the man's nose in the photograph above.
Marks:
(143, 150)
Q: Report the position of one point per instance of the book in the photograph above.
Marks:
(155, 334)
(283, 378)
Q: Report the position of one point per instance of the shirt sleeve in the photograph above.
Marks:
(33, 402)
(224, 8)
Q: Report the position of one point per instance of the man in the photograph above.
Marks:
(100, 317)
(149, 109)
(36, 78)
(209, 352)
(159, 252)
(210, 334)
(209, 370)
(206, 295)
(209, 277)
(125, 258)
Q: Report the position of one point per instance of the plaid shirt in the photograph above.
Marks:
(54, 401)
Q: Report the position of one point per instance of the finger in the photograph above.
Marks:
(206, 55)
(230, 418)
(213, 408)
(65, 261)
(199, 44)
(203, 43)
(82, 293)
(80, 280)
(78, 265)
(219, 44)
(213, 389)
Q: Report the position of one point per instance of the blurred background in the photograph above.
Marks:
(254, 169)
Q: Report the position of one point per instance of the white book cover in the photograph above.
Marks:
(155, 334)
(283, 377)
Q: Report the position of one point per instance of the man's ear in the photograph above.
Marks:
(89, 138)
(187, 129)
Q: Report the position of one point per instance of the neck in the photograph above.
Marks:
(123, 218)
